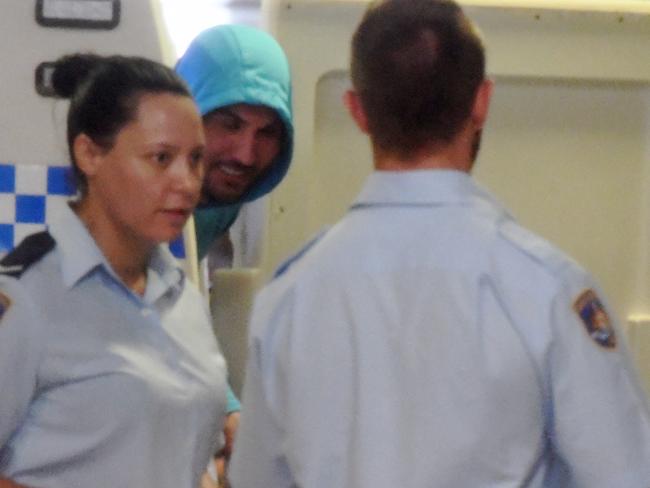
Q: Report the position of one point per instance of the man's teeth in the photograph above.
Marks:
(231, 170)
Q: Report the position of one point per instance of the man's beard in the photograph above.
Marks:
(209, 194)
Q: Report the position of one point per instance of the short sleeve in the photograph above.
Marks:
(601, 421)
(19, 357)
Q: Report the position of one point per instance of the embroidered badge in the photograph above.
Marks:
(595, 319)
(5, 302)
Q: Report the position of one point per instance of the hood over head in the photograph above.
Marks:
(229, 64)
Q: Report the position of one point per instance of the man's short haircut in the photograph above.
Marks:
(416, 65)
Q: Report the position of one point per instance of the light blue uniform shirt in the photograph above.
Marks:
(429, 341)
(100, 387)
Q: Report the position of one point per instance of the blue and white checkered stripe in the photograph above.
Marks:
(31, 196)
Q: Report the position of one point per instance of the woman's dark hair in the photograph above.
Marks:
(416, 65)
(104, 92)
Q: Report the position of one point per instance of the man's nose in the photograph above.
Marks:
(244, 148)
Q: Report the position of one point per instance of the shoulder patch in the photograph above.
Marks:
(29, 251)
(287, 264)
(5, 303)
(595, 319)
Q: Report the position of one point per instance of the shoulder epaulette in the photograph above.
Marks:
(287, 264)
(29, 251)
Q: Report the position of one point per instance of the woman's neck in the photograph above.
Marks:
(127, 256)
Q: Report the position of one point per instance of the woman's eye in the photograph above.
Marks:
(162, 158)
(196, 158)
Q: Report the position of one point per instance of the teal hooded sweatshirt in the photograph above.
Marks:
(229, 64)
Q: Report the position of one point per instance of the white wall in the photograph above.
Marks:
(32, 128)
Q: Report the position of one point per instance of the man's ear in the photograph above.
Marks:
(353, 103)
(482, 103)
(87, 154)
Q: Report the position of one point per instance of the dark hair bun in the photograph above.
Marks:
(71, 70)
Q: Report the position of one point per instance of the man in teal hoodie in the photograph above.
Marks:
(240, 79)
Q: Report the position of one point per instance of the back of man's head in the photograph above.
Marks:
(416, 66)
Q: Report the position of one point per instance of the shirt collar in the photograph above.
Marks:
(79, 252)
(421, 187)
(80, 256)
(164, 276)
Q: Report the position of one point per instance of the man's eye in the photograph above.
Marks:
(271, 131)
(231, 124)
(226, 121)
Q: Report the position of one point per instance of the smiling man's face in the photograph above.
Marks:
(242, 141)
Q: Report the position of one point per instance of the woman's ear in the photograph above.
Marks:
(87, 154)
(353, 103)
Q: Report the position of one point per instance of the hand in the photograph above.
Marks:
(208, 482)
(230, 426)
(219, 469)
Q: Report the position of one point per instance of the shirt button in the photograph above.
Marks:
(146, 312)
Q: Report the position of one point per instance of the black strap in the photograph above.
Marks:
(29, 251)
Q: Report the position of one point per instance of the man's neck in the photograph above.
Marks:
(424, 160)
(420, 163)
(456, 155)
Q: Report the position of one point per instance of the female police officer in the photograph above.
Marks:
(109, 372)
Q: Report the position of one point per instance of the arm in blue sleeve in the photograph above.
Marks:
(233, 403)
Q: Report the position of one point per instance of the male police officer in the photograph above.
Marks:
(428, 340)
